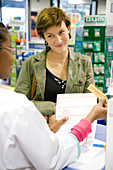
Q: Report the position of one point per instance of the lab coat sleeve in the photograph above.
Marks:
(31, 143)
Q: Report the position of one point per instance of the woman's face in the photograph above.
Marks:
(58, 37)
(6, 59)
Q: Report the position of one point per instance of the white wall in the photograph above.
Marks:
(37, 6)
(101, 8)
(109, 15)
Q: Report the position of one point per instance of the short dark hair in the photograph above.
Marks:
(49, 17)
(3, 33)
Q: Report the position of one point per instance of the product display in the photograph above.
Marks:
(18, 42)
(94, 47)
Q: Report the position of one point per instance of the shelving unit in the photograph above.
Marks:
(18, 38)
(94, 47)
(13, 73)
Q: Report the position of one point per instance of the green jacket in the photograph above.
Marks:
(79, 76)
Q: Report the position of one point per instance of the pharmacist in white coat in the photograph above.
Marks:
(26, 141)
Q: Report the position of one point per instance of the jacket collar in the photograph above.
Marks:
(41, 56)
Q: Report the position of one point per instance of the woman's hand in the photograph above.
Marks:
(99, 111)
(54, 124)
(46, 117)
(54, 109)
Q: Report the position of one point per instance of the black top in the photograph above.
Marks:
(54, 86)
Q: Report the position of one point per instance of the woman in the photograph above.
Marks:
(57, 68)
(24, 131)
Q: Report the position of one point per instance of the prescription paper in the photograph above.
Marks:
(76, 106)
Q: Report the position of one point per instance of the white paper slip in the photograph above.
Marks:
(76, 106)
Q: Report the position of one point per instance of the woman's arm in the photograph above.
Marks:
(24, 85)
(89, 75)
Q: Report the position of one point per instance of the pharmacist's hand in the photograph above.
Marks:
(54, 124)
(105, 101)
(98, 112)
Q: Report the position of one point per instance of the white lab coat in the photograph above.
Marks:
(25, 139)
